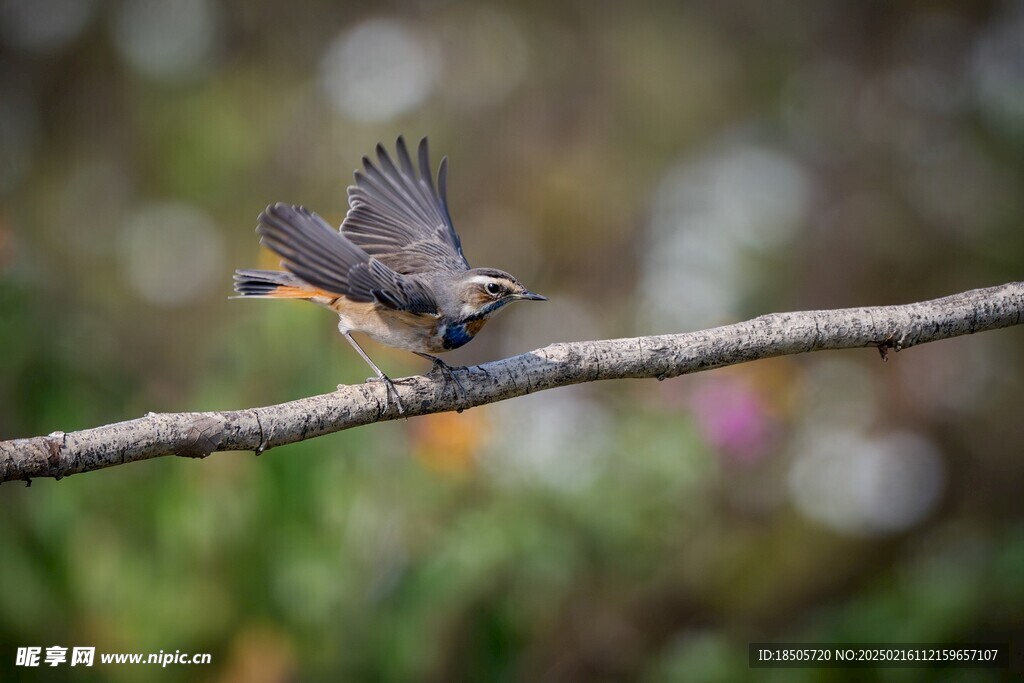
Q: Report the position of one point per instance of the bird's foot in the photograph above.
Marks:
(448, 372)
(390, 389)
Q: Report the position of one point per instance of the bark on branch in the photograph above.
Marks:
(197, 435)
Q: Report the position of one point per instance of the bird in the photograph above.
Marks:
(394, 270)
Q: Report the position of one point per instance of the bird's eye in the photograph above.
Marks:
(493, 288)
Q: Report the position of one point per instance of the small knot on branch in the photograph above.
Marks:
(204, 436)
(890, 342)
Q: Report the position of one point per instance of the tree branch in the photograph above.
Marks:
(197, 435)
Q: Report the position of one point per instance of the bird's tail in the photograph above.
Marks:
(273, 284)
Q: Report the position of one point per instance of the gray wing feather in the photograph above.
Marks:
(316, 253)
(399, 217)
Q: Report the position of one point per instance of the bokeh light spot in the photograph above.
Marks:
(706, 216)
(167, 40)
(865, 485)
(378, 70)
(171, 253)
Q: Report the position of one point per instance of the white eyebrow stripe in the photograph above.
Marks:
(484, 279)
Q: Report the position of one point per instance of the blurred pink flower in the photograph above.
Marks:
(732, 418)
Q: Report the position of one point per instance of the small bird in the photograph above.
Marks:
(394, 271)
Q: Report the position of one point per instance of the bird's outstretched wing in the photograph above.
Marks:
(318, 254)
(400, 218)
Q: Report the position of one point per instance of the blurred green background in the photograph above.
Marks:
(652, 168)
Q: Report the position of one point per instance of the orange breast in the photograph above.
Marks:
(475, 326)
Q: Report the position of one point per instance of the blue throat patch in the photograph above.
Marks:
(455, 335)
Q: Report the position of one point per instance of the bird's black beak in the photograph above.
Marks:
(530, 296)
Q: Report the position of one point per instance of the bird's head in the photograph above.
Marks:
(483, 291)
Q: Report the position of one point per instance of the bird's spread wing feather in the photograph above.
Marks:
(318, 254)
(400, 218)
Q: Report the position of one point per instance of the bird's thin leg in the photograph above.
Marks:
(380, 375)
(446, 370)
